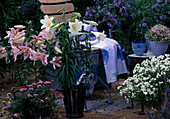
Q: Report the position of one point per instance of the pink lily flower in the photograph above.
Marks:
(26, 50)
(42, 56)
(48, 35)
(56, 61)
(15, 51)
(36, 39)
(3, 54)
(14, 33)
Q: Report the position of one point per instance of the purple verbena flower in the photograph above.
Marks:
(109, 24)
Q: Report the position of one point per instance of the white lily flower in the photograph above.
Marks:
(47, 22)
(75, 27)
(100, 36)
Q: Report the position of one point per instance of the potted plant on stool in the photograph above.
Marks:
(159, 36)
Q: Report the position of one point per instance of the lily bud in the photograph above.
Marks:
(91, 22)
(19, 37)
(57, 49)
(77, 14)
(40, 42)
(20, 26)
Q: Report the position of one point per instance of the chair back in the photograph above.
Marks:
(50, 8)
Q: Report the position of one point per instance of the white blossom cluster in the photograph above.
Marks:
(148, 79)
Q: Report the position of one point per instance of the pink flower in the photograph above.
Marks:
(23, 89)
(41, 100)
(36, 39)
(39, 85)
(51, 89)
(33, 83)
(3, 53)
(29, 85)
(47, 82)
(15, 51)
(47, 98)
(31, 89)
(29, 95)
(3, 101)
(16, 115)
(35, 94)
(48, 35)
(40, 81)
(61, 95)
(56, 61)
(13, 34)
(25, 50)
(42, 57)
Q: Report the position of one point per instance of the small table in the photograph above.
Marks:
(133, 60)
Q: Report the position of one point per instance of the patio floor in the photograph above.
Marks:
(102, 113)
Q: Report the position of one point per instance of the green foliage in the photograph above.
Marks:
(80, 5)
(128, 19)
(18, 12)
(33, 101)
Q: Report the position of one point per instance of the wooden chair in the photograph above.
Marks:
(50, 8)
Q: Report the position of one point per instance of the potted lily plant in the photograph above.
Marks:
(159, 37)
(72, 58)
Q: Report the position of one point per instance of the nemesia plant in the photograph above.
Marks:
(33, 101)
(159, 33)
(147, 84)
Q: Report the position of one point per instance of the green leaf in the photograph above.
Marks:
(60, 10)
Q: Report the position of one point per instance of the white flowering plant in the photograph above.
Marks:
(147, 83)
(159, 33)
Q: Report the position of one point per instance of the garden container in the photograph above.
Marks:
(74, 102)
(158, 48)
(138, 48)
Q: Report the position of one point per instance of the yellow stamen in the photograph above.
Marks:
(74, 27)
